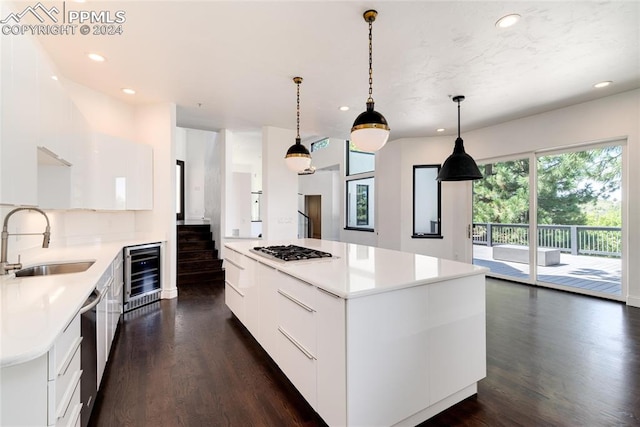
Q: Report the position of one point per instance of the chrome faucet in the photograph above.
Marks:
(5, 266)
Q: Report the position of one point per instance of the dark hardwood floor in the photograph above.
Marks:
(553, 359)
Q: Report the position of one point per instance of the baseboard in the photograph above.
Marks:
(169, 293)
(633, 301)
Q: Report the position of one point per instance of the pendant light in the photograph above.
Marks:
(298, 158)
(459, 166)
(370, 130)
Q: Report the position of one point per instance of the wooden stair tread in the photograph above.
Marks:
(197, 257)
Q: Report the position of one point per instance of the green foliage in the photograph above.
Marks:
(568, 185)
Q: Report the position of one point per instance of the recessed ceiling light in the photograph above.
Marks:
(508, 20)
(54, 78)
(602, 84)
(128, 91)
(96, 57)
(344, 108)
(440, 130)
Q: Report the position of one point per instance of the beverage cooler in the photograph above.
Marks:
(142, 275)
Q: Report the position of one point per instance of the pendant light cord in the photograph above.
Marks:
(458, 119)
(370, 62)
(298, 113)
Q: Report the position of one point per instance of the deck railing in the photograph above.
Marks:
(573, 239)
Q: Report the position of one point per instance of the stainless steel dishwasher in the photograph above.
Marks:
(88, 356)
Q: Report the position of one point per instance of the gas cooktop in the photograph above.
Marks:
(290, 252)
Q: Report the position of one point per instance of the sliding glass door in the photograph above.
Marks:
(501, 219)
(579, 220)
(559, 211)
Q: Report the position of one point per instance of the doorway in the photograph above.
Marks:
(313, 208)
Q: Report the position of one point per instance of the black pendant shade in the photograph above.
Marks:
(459, 166)
(370, 119)
(298, 149)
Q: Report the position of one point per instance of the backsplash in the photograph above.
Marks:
(67, 228)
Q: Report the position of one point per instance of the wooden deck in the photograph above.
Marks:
(577, 271)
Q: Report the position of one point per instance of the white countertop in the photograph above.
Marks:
(35, 310)
(358, 270)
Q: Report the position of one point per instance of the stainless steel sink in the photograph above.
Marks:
(59, 268)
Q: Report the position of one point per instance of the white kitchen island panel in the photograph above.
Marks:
(370, 337)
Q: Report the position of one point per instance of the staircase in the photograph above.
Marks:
(198, 262)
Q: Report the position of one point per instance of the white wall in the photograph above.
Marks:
(214, 187)
(279, 186)
(239, 208)
(191, 147)
(155, 126)
(609, 118)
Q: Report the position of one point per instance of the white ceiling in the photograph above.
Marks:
(237, 59)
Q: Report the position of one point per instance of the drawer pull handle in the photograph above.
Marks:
(297, 344)
(76, 417)
(234, 288)
(294, 300)
(266, 265)
(331, 294)
(297, 279)
(234, 263)
(69, 394)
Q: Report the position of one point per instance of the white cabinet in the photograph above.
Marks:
(296, 352)
(36, 112)
(331, 362)
(46, 390)
(18, 121)
(121, 174)
(241, 294)
(268, 308)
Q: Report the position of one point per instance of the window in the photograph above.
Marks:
(319, 145)
(360, 191)
(360, 197)
(180, 190)
(359, 161)
(426, 202)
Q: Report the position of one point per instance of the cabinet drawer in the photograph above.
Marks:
(233, 256)
(298, 319)
(301, 291)
(298, 364)
(70, 417)
(64, 348)
(239, 273)
(234, 298)
(65, 384)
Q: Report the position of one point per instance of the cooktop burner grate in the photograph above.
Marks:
(291, 252)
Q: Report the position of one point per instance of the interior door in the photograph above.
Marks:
(313, 206)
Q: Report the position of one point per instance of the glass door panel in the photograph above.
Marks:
(501, 219)
(579, 217)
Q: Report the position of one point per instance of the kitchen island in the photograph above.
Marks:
(369, 336)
